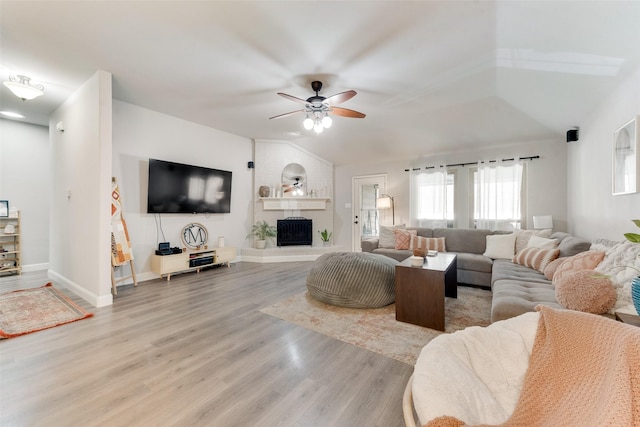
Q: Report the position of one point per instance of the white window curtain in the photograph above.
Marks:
(497, 196)
(431, 199)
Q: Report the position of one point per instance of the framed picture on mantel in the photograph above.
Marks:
(626, 161)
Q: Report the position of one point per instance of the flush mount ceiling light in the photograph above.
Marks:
(22, 88)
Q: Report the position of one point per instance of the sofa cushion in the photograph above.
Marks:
(551, 268)
(368, 245)
(621, 253)
(428, 243)
(423, 232)
(570, 245)
(463, 240)
(474, 262)
(536, 258)
(506, 270)
(514, 297)
(387, 239)
(586, 290)
(403, 238)
(398, 255)
(523, 237)
(500, 246)
(542, 242)
(587, 260)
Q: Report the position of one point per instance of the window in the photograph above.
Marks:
(433, 199)
(369, 215)
(497, 196)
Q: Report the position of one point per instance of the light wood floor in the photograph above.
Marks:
(195, 352)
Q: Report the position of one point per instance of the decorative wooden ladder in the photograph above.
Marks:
(121, 253)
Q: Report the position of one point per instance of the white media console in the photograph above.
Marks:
(190, 260)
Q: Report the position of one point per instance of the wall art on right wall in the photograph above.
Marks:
(626, 161)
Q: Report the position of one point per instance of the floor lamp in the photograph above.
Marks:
(385, 201)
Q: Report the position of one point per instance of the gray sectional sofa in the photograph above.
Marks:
(516, 289)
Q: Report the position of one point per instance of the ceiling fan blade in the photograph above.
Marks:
(293, 98)
(287, 114)
(345, 112)
(341, 97)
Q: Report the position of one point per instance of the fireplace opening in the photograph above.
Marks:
(294, 231)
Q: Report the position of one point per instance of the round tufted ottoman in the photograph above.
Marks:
(353, 279)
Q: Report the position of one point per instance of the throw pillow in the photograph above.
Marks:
(587, 260)
(523, 236)
(500, 246)
(387, 238)
(623, 253)
(536, 258)
(428, 243)
(403, 238)
(586, 290)
(552, 267)
(542, 242)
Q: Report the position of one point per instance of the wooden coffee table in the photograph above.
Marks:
(421, 291)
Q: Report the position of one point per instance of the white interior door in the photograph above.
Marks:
(366, 218)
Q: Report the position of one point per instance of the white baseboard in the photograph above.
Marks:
(35, 267)
(90, 297)
(140, 277)
(286, 254)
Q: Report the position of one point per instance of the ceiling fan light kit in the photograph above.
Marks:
(22, 88)
(317, 108)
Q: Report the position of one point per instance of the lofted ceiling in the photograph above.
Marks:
(431, 76)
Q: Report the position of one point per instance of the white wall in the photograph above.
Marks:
(80, 186)
(580, 200)
(593, 210)
(546, 179)
(140, 134)
(271, 157)
(24, 182)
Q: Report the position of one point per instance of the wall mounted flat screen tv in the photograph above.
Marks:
(181, 188)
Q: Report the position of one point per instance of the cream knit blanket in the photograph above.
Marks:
(584, 370)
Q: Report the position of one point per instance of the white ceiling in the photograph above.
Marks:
(431, 76)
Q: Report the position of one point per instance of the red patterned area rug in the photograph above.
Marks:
(377, 329)
(31, 310)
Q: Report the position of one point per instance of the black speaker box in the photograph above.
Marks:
(572, 135)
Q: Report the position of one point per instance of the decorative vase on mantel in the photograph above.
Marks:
(635, 293)
(264, 191)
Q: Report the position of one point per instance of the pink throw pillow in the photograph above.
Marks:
(552, 267)
(587, 260)
(403, 238)
(586, 290)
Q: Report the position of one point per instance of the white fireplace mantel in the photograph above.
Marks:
(294, 203)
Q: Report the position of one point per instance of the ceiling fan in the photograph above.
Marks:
(317, 108)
